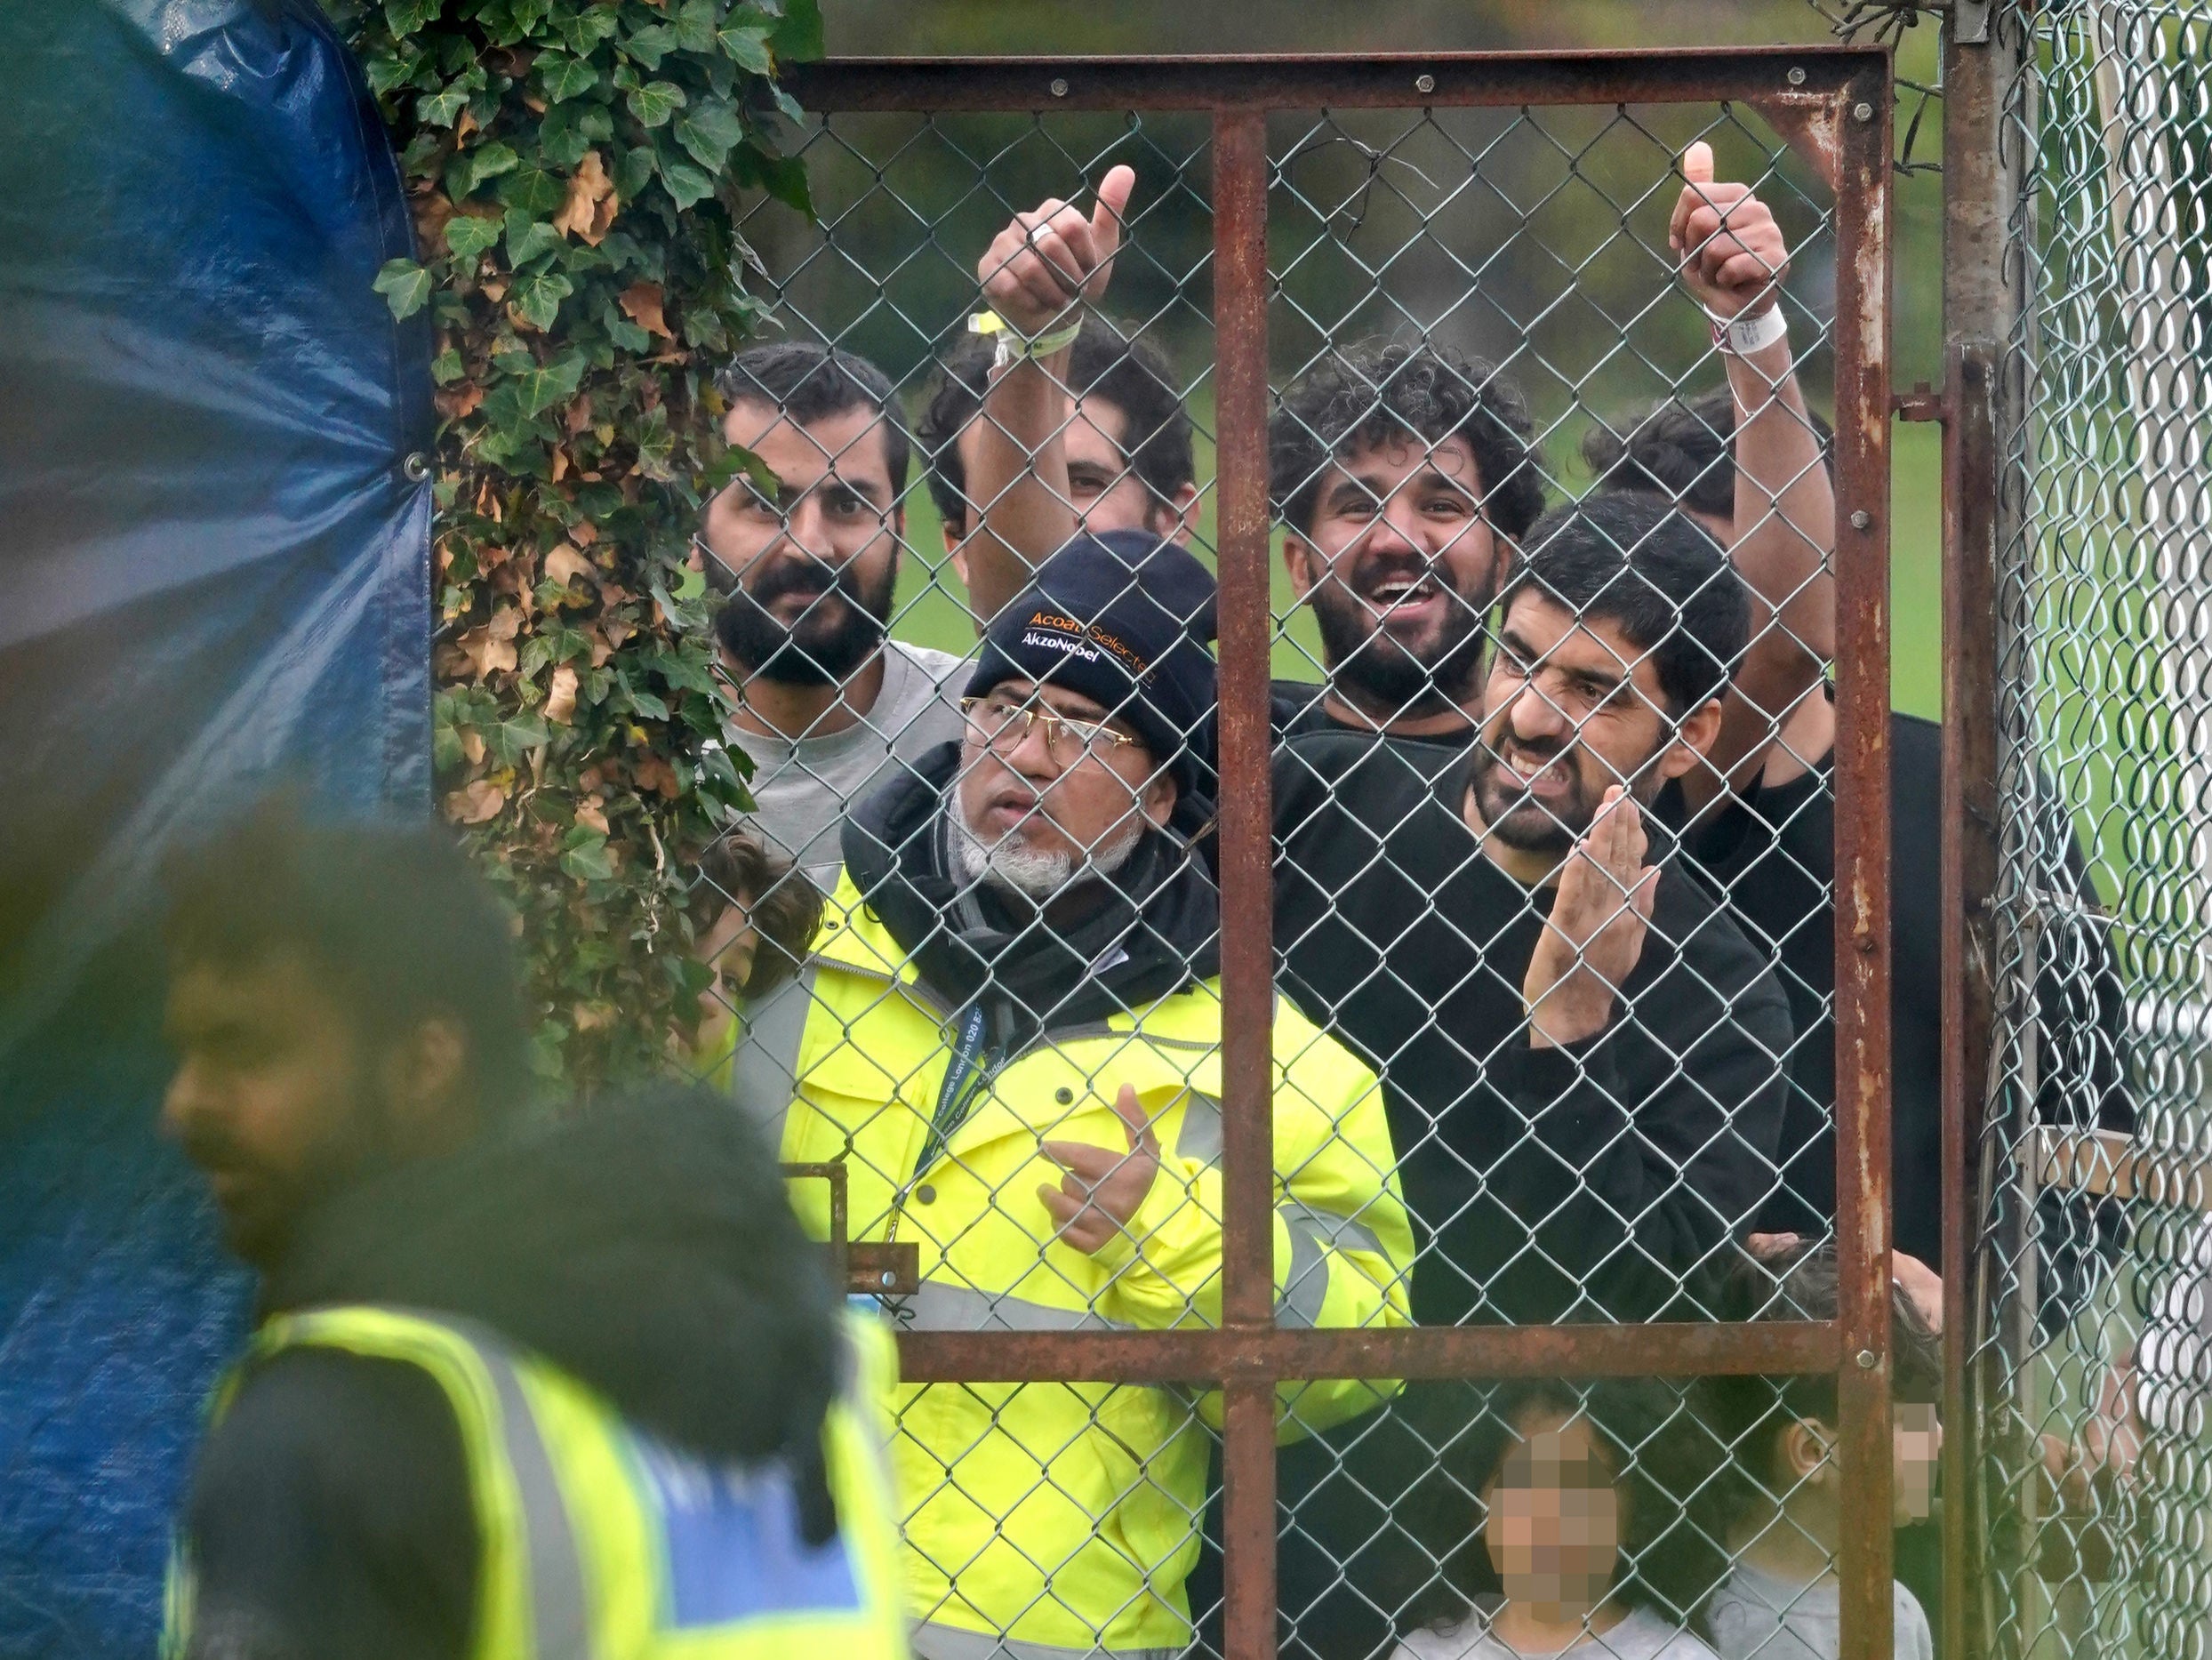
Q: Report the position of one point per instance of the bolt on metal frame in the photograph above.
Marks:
(1833, 104)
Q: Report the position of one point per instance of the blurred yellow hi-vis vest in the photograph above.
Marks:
(598, 1543)
(1053, 1520)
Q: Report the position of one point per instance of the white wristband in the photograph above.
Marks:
(1013, 345)
(1744, 335)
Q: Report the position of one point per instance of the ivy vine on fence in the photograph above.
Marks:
(571, 165)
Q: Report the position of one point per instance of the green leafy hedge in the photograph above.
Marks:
(572, 165)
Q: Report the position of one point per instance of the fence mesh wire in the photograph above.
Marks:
(2091, 1385)
(1009, 995)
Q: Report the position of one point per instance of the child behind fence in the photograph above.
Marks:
(1781, 1599)
(1589, 1503)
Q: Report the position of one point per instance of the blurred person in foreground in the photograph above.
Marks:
(1405, 475)
(830, 707)
(1010, 1030)
(522, 1388)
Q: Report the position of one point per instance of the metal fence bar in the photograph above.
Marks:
(1296, 81)
(1683, 1350)
(1977, 310)
(1247, 621)
(1862, 852)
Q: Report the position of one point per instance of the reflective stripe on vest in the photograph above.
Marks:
(559, 1619)
(596, 1542)
(933, 1641)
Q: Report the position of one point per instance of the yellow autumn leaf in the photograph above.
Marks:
(560, 697)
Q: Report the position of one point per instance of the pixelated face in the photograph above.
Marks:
(814, 560)
(1570, 710)
(275, 1096)
(1105, 491)
(1553, 1520)
(1401, 568)
(1051, 797)
(1916, 1444)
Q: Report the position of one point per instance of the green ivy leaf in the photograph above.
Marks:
(448, 367)
(471, 168)
(710, 130)
(527, 238)
(648, 45)
(746, 46)
(405, 17)
(798, 39)
(633, 171)
(512, 741)
(655, 101)
(561, 77)
(686, 184)
(781, 177)
(404, 286)
(589, 26)
(535, 192)
(627, 335)
(541, 388)
(695, 23)
(467, 236)
(441, 110)
(584, 855)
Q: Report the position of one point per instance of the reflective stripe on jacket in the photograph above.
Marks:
(1062, 1517)
(597, 1542)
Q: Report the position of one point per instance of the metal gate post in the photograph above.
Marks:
(1862, 887)
(1980, 304)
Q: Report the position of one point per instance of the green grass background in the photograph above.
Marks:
(932, 608)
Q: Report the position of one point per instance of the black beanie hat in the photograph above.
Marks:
(1124, 619)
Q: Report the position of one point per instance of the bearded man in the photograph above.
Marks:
(830, 707)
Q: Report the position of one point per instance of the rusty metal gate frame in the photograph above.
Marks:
(1832, 103)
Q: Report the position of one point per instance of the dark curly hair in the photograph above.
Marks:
(1656, 575)
(1802, 1283)
(1369, 394)
(1663, 1459)
(1681, 452)
(783, 907)
(1108, 363)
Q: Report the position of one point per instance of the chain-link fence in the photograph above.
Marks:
(2087, 1133)
(1336, 778)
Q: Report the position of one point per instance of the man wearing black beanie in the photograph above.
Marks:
(1009, 1031)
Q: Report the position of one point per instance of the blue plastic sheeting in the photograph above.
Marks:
(214, 575)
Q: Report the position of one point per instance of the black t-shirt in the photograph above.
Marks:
(330, 1518)
(1771, 853)
(1299, 708)
(1551, 1183)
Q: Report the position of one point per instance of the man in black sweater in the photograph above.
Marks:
(1582, 1058)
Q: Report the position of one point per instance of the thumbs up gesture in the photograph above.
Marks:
(1726, 243)
(1044, 264)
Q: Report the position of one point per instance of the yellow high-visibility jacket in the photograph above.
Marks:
(595, 1542)
(1065, 1515)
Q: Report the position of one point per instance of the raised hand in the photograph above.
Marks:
(1103, 1188)
(1044, 263)
(1595, 933)
(1731, 252)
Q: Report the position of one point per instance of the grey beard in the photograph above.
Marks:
(1011, 864)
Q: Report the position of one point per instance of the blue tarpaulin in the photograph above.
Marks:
(213, 577)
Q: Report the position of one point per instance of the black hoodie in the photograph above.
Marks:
(644, 1246)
